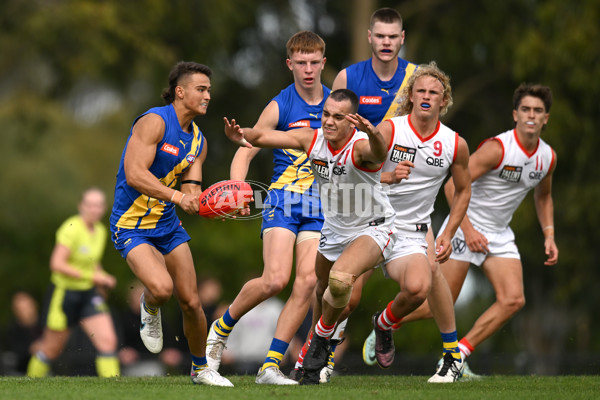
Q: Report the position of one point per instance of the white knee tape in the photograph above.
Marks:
(339, 290)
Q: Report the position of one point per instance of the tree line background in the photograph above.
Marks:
(74, 75)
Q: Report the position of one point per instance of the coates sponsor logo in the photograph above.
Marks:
(299, 124)
(370, 99)
(169, 148)
(190, 158)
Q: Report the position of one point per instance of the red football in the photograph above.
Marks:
(224, 198)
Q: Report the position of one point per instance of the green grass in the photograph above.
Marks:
(361, 387)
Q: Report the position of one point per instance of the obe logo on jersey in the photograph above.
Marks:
(321, 168)
(536, 175)
(435, 162)
(402, 153)
(511, 173)
(339, 170)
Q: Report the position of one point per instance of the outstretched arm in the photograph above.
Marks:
(241, 160)
(295, 139)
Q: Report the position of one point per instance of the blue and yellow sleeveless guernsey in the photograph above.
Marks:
(175, 153)
(291, 170)
(86, 249)
(378, 100)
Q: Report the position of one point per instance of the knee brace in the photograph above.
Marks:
(339, 290)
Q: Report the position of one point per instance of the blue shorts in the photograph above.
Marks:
(293, 211)
(127, 239)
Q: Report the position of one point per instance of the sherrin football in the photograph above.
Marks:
(224, 198)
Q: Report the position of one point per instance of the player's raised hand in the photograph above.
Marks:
(235, 133)
(362, 124)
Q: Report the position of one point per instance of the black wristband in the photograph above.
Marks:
(199, 183)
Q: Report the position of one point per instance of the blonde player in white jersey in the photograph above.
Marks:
(358, 232)
(421, 152)
(503, 170)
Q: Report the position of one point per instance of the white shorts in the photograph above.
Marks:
(407, 244)
(501, 244)
(332, 244)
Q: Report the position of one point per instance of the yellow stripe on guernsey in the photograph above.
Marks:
(393, 110)
(149, 209)
(298, 176)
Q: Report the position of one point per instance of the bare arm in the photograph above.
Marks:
(300, 139)
(241, 160)
(484, 159)
(373, 153)
(140, 153)
(189, 203)
(340, 81)
(544, 207)
(460, 200)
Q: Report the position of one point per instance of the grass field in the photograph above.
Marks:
(343, 388)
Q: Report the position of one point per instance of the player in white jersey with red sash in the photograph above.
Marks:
(421, 153)
(378, 83)
(503, 169)
(358, 230)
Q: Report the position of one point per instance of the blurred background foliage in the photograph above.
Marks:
(75, 73)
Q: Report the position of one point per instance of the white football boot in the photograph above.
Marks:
(151, 329)
(449, 371)
(273, 376)
(215, 344)
(210, 377)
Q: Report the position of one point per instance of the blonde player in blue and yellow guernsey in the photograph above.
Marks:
(164, 147)
(73, 297)
(292, 218)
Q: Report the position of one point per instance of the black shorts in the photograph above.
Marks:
(64, 308)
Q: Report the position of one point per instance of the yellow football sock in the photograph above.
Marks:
(107, 366)
(37, 368)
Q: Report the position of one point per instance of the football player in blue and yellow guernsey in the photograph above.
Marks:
(165, 147)
(292, 218)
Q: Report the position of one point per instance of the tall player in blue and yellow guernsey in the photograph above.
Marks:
(292, 219)
(164, 147)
